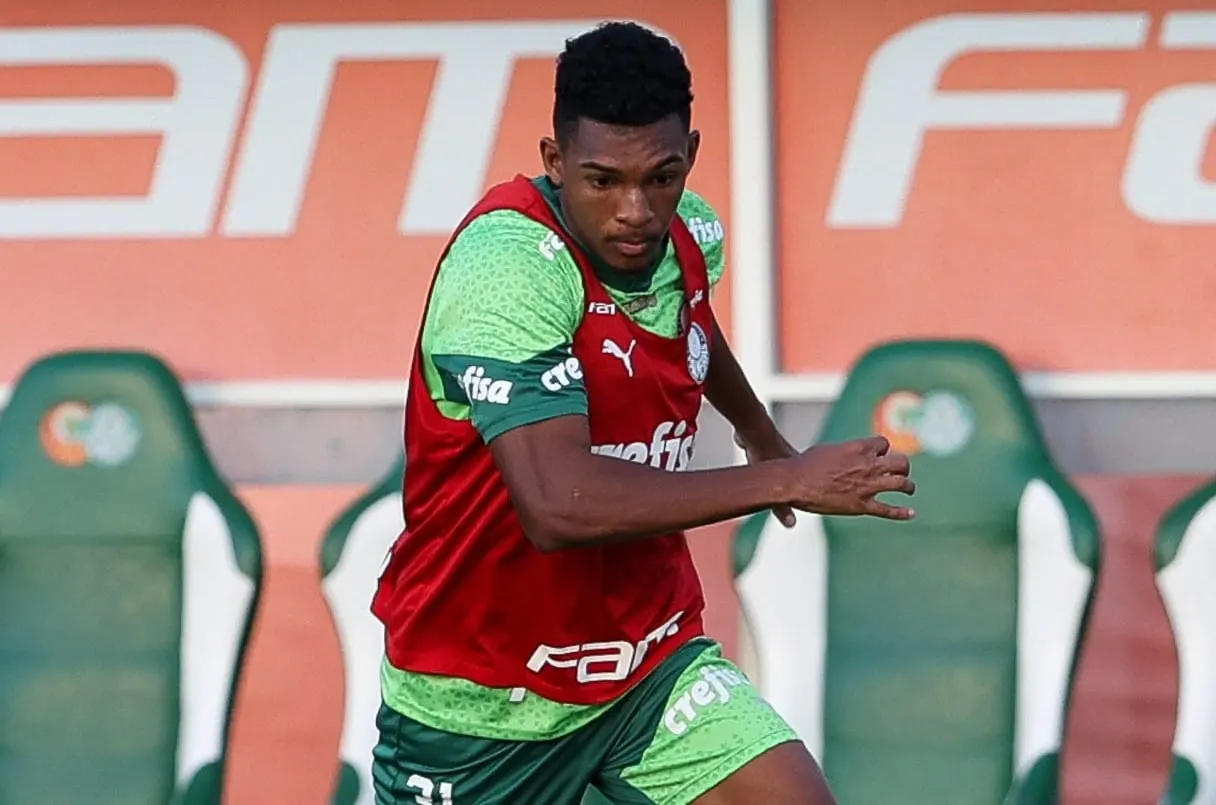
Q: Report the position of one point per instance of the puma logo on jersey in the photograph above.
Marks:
(697, 298)
(670, 448)
(480, 388)
(625, 356)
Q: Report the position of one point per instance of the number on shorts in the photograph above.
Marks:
(426, 786)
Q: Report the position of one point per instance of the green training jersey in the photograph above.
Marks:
(509, 297)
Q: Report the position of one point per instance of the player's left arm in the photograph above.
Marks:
(731, 394)
(728, 390)
(727, 387)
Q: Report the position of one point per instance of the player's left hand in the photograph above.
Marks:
(769, 448)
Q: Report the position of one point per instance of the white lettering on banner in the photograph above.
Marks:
(198, 123)
(1164, 180)
(900, 101)
(621, 657)
(476, 60)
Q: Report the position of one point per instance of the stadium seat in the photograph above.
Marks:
(1185, 554)
(929, 662)
(129, 575)
(352, 557)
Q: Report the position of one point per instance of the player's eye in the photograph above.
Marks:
(663, 179)
(602, 182)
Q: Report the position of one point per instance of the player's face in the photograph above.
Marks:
(620, 186)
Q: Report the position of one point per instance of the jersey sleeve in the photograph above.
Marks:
(499, 332)
(706, 227)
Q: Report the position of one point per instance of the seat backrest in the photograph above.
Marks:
(128, 577)
(928, 662)
(1185, 555)
(353, 555)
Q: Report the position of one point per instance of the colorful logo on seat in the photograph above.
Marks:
(75, 434)
(937, 423)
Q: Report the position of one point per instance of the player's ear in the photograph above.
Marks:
(551, 158)
(694, 145)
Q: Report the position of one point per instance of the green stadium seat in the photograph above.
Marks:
(929, 663)
(353, 555)
(129, 575)
(1185, 554)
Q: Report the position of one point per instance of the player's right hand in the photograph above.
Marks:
(844, 478)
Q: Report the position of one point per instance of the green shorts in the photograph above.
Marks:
(689, 725)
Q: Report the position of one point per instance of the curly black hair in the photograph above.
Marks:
(622, 74)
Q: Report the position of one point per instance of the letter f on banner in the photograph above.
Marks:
(197, 126)
(900, 100)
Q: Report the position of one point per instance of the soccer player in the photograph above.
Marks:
(542, 611)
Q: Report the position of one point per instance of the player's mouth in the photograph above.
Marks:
(633, 248)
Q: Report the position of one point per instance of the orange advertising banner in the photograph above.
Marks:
(259, 190)
(1038, 174)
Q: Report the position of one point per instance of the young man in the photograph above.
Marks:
(543, 614)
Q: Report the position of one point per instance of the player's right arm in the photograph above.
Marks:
(567, 497)
(507, 302)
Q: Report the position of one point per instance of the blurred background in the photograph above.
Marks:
(256, 194)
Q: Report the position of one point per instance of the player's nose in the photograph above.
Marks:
(633, 209)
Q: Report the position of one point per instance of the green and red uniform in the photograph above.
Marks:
(513, 674)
